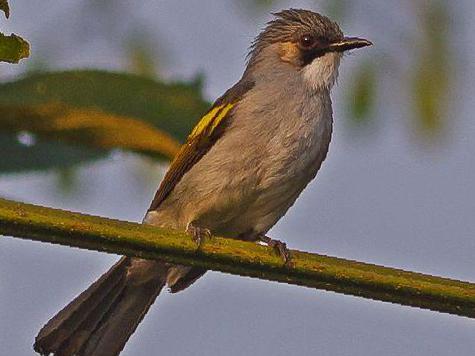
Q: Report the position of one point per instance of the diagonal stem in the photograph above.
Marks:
(237, 257)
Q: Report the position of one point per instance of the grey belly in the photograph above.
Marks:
(239, 190)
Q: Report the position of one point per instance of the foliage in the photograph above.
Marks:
(61, 119)
(430, 83)
(427, 86)
(12, 48)
(362, 93)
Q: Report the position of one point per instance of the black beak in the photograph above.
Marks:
(348, 43)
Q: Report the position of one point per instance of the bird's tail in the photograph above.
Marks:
(101, 319)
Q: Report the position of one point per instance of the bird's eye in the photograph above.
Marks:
(307, 41)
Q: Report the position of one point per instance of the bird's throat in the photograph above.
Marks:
(322, 72)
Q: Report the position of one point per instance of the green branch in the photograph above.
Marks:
(237, 257)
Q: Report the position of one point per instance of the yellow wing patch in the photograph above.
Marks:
(211, 120)
(198, 143)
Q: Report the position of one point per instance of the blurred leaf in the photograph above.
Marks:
(13, 48)
(141, 61)
(5, 8)
(428, 87)
(19, 154)
(66, 180)
(141, 55)
(94, 110)
(430, 84)
(363, 93)
(89, 127)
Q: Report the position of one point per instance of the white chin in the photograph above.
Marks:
(322, 73)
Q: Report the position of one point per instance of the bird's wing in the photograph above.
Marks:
(204, 135)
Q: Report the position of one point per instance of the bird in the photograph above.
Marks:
(241, 168)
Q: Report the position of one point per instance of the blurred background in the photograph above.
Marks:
(397, 188)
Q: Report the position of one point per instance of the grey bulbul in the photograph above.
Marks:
(240, 170)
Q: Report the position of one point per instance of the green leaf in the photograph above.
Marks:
(141, 53)
(361, 97)
(90, 127)
(60, 119)
(18, 156)
(13, 48)
(431, 78)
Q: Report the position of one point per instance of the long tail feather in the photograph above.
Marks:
(102, 318)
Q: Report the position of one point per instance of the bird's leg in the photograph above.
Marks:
(198, 234)
(278, 245)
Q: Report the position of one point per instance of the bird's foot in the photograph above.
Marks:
(280, 247)
(198, 234)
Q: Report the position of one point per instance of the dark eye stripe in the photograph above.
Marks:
(307, 56)
(311, 46)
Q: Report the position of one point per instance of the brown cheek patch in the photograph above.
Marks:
(289, 52)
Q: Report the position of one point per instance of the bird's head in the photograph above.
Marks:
(306, 42)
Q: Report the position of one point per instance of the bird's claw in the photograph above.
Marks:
(198, 234)
(280, 247)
